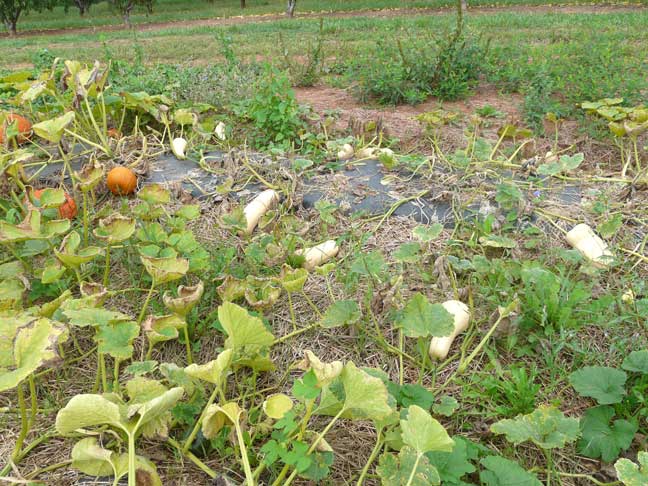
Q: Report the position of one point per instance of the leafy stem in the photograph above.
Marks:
(199, 422)
(146, 303)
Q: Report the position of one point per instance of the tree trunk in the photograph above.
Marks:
(290, 11)
(12, 27)
(242, 3)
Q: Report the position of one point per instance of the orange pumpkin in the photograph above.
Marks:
(114, 133)
(24, 127)
(67, 210)
(121, 181)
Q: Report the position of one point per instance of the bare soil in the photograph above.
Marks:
(400, 121)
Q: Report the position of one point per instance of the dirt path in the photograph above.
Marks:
(383, 13)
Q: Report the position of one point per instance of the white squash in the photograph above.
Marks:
(346, 152)
(320, 254)
(220, 131)
(440, 346)
(590, 245)
(628, 297)
(178, 147)
(260, 205)
(366, 153)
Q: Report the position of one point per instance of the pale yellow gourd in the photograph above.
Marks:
(318, 255)
(440, 346)
(260, 205)
(588, 243)
(346, 152)
(178, 147)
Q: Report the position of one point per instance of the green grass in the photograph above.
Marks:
(580, 56)
(176, 10)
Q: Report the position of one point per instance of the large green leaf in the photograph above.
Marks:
(115, 229)
(31, 228)
(423, 433)
(602, 438)
(636, 361)
(420, 318)
(214, 371)
(565, 163)
(547, 427)
(28, 344)
(453, 466)
(366, 396)
(632, 474)
(70, 255)
(52, 130)
(89, 410)
(246, 334)
(408, 468)
(217, 416)
(606, 385)
(162, 328)
(116, 338)
(324, 372)
(154, 194)
(293, 280)
(341, 313)
(165, 269)
(92, 459)
(502, 472)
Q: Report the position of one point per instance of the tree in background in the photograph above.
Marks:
(11, 10)
(82, 5)
(124, 8)
(290, 11)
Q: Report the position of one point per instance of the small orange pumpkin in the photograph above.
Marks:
(24, 127)
(114, 133)
(121, 181)
(67, 210)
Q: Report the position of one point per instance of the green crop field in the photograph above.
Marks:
(374, 244)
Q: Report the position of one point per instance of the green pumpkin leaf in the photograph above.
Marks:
(606, 385)
(453, 466)
(341, 313)
(162, 328)
(407, 469)
(365, 396)
(428, 233)
(154, 194)
(547, 427)
(90, 176)
(277, 405)
(116, 338)
(26, 345)
(636, 361)
(423, 433)
(603, 439)
(165, 269)
(632, 474)
(446, 406)
(566, 163)
(214, 371)
(52, 130)
(50, 198)
(92, 459)
(89, 410)
(420, 318)
(502, 472)
(188, 212)
(216, 417)
(31, 228)
(115, 229)
(293, 280)
(245, 332)
(70, 255)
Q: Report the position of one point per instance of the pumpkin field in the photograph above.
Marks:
(371, 243)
